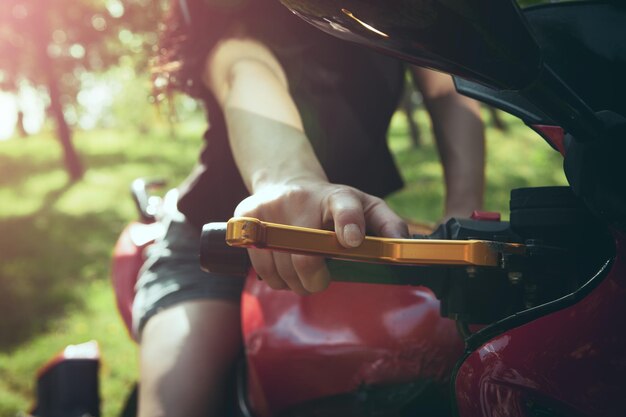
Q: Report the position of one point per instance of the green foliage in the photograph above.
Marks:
(75, 35)
(55, 44)
(62, 46)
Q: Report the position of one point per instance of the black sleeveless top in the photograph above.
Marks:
(345, 94)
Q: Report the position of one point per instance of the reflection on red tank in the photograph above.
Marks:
(302, 348)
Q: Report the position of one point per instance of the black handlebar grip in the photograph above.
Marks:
(217, 257)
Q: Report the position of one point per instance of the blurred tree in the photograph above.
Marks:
(51, 43)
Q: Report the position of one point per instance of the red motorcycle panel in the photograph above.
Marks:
(568, 363)
(304, 348)
(127, 260)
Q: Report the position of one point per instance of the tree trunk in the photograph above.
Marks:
(43, 37)
(72, 163)
(21, 130)
(498, 123)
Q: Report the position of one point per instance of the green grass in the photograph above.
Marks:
(515, 158)
(56, 238)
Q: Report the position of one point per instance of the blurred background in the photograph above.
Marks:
(79, 120)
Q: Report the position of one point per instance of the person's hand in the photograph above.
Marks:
(315, 204)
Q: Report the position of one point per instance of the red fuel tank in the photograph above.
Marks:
(299, 349)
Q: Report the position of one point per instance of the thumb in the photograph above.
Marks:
(346, 210)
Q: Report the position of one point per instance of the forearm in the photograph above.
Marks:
(264, 127)
(460, 140)
(459, 134)
(269, 152)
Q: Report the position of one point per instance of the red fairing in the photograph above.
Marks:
(572, 361)
(303, 348)
(127, 260)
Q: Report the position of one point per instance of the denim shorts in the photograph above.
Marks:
(171, 273)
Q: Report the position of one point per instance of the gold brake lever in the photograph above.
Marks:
(250, 232)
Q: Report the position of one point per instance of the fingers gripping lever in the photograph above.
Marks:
(250, 232)
(454, 270)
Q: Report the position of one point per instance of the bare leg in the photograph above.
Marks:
(186, 353)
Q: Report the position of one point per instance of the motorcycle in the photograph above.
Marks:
(481, 317)
(547, 289)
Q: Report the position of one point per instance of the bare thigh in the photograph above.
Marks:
(186, 354)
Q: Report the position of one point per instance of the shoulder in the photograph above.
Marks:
(236, 56)
(231, 51)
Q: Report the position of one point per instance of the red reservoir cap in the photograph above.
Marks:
(490, 216)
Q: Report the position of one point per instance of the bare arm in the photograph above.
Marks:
(280, 169)
(250, 86)
(459, 133)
